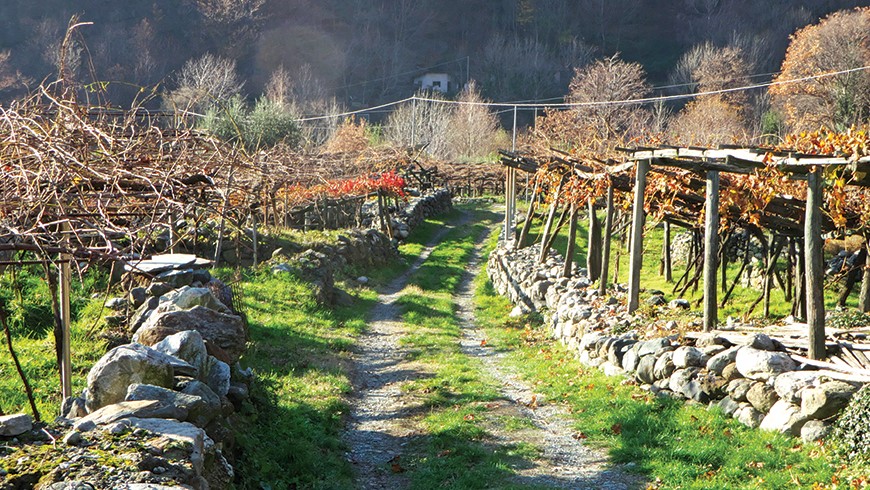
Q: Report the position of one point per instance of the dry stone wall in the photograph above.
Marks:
(757, 383)
(165, 402)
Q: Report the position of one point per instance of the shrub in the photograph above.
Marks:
(263, 126)
(852, 430)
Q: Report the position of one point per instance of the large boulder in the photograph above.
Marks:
(815, 430)
(218, 377)
(201, 415)
(15, 425)
(645, 368)
(680, 381)
(182, 403)
(784, 417)
(187, 346)
(686, 356)
(664, 366)
(762, 396)
(124, 409)
(225, 331)
(762, 365)
(826, 400)
(738, 388)
(748, 416)
(183, 434)
(127, 364)
(187, 297)
(717, 363)
(790, 385)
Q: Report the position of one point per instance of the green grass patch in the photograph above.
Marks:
(290, 431)
(27, 299)
(650, 279)
(673, 444)
(457, 450)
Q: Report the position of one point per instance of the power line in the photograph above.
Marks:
(645, 100)
(638, 101)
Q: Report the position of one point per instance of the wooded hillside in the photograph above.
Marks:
(368, 51)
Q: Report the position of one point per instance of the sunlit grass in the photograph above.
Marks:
(674, 445)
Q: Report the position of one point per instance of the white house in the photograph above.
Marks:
(441, 82)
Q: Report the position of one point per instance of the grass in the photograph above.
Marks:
(738, 304)
(457, 449)
(290, 433)
(26, 297)
(673, 444)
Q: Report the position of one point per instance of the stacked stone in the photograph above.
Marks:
(758, 383)
(178, 382)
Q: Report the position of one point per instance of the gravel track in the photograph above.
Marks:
(381, 421)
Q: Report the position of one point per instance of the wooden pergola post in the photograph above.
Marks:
(510, 204)
(815, 265)
(667, 269)
(572, 242)
(711, 248)
(593, 240)
(637, 217)
(605, 249)
(64, 293)
(864, 299)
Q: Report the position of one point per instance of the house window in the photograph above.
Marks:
(436, 83)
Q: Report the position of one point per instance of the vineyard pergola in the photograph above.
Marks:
(687, 184)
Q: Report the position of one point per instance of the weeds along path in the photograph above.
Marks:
(380, 422)
(565, 461)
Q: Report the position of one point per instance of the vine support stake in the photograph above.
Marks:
(637, 217)
(605, 249)
(815, 266)
(65, 288)
(711, 247)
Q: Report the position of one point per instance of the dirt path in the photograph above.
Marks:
(381, 418)
(566, 462)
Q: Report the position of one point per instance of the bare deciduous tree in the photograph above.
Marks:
(609, 80)
(708, 121)
(517, 68)
(419, 123)
(474, 130)
(204, 82)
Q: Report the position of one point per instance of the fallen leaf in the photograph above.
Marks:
(446, 452)
(579, 436)
(469, 417)
(616, 429)
(395, 466)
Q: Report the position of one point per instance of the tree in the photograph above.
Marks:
(841, 41)
(417, 123)
(708, 121)
(597, 86)
(473, 129)
(10, 78)
(517, 68)
(262, 126)
(204, 82)
(716, 118)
